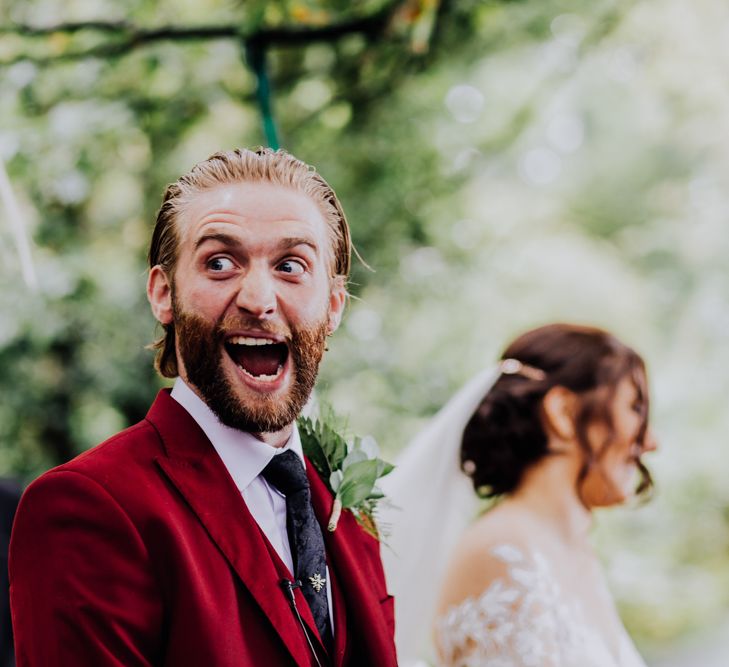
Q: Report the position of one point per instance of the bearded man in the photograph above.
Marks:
(194, 538)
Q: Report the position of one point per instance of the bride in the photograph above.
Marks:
(554, 432)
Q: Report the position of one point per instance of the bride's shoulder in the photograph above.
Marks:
(499, 546)
(499, 537)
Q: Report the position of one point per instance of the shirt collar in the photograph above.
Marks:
(244, 455)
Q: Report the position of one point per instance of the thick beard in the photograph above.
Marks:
(201, 346)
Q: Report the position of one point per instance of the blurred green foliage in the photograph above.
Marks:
(503, 164)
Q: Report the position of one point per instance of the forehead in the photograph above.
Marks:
(248, 205)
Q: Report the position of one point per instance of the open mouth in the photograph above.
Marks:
(260, 358)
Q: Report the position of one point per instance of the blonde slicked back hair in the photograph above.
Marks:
(263, 165)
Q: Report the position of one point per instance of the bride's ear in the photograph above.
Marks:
(559, 407)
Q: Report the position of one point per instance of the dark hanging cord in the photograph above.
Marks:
(256, 57)
(288, 588)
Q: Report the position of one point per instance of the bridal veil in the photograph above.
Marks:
(432, 503)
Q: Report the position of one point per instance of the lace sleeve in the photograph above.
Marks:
(515, 622)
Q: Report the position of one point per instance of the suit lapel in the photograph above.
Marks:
(301, 604)
(355, 588)
(195, 469)
(339, 613)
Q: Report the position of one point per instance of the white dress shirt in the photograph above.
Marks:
(245, 457)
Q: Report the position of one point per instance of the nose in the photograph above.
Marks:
(257, 295)
(650, 444)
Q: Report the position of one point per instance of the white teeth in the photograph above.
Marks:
(263, 378)
(245, 340)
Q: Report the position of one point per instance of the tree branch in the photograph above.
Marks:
(132, 37)
(43, 31)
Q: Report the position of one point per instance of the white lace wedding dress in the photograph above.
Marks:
(523, 619)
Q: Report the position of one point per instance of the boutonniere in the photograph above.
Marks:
(349, 469)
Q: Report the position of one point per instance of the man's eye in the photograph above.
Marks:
(291, 267)
(220, 264)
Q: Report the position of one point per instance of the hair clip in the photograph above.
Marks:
(516, 367)
(469, 467)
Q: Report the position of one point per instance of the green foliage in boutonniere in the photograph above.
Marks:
(349, 469)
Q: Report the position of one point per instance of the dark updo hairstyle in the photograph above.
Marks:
(506, 434)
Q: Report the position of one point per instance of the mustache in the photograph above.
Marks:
(233, 323)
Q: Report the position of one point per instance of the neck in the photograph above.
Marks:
(276, 439)
(548, 490)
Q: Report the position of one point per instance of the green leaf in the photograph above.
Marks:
(359, 480)
(355, 456)
(384, 468)
(369, 446)
(354, 491)
(335, 480)
(333, 444)
(312, 448)
(362, 470)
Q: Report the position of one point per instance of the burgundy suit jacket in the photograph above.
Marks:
(142, 552)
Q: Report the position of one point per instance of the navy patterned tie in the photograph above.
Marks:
(286, 472)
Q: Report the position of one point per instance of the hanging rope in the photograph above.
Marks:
(256, 56)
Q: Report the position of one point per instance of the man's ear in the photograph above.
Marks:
(559, 407)
(337, 302)
(159, 293)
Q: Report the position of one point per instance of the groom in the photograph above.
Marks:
(193, 538)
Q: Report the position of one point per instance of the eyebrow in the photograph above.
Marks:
(225, 239)
(293, 241)
(285, 244)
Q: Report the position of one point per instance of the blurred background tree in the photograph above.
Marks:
(503, 164)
